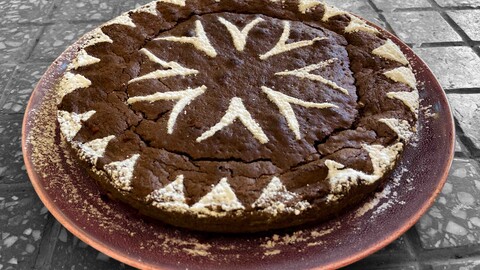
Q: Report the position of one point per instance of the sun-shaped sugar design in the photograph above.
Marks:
(236, 109)
(274, 198)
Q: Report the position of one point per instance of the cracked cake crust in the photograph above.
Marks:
(238, 116)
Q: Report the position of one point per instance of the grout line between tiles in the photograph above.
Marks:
(381, 16)
(466, 39)
(44, 258)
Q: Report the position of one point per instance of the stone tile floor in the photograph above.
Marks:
(445, 33)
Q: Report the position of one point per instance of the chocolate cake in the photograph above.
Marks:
(238, 116)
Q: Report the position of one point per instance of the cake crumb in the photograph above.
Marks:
(427, 112)
(322, 233)
(197, 252)
(302, 239)
(272, 252)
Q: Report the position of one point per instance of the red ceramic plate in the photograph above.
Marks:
(118, 231)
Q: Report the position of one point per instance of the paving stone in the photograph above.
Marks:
(21, 11)
(360, 8)
(6, 72)
(469, 21)
(71, 253)
(373, 266)
(458, 265)
(57, 38)
(18, 91)
(73, 10)
(4, 7)
(398, 247)
(466, 109)
(459, 147)
(458, 3)
(16, 42)
(131, 4)
(22, 221)
(393, 256)
(454, 219)
(390, 5)
(417, 27)
(455, 67)
(12, 168)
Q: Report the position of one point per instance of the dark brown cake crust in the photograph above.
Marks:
(337, 133)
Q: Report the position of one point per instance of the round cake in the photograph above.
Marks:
(238, 116)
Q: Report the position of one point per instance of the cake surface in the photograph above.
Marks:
(238, 116)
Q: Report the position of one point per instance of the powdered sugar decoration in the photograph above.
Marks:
(220, 199)
(171, 69)
(82, 59)
(175, 2)
(402, 74)
(391, 51)
(218, 202)
(330, 12)
(71, 123)
(410, 99)
(282, 45)
(304, 73)
(406, 76)
(121, 172)
(71, 82)
(200, 41)
(236, 110)
(306, 5)
(150, 8)
(401, 127)
(275, 199)
(184, 98)
(341, 178)
(95, 149)
(239, 36)
(357, 24)
(96, 36)
(283, 103)
(171, 196)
